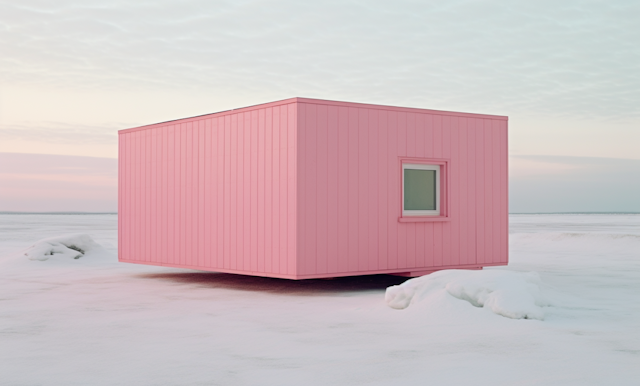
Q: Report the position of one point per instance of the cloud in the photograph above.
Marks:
(571, 58)
(60, 132)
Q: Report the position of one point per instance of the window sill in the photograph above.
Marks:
(423, 218)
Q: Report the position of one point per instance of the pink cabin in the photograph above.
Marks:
(306, 188)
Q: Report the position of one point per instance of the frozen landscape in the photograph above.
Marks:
(564, 312)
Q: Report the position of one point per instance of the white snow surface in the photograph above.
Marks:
(92, 320)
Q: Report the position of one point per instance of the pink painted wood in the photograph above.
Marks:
(305, 188)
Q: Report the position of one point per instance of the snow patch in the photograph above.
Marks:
(511, 294)
(73, 246)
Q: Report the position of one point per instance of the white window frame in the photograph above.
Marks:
(435, 212)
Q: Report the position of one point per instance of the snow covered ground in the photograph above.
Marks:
(93, 321)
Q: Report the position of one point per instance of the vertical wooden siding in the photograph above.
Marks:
(349, 188)
(216, 193)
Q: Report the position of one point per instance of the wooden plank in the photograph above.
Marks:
(393, 204)
(228, 190)
(292, 198)
(343, 186)
(267, 203)
(332, 189)
(362, 228)
(183, 198)
(200, 210)
(263, 159)
(213, 195)
(455, 193)
(128, 207)
(151, 195)
(255, 191)
(146, 196)
(495, 197)
(489, 191)
(174, 192)
(234, 197)
(157, 199)
(278, 178)
(156, 224)
(438, 235)
(260, 187)
(446, 225)
(463, 164)
(302, 216)
(472, 190)
(286, 175)
(139, 218)
(285, 181)
(372, 256)
(308, 218)
(192, 258)
(246, 193)
(354, 197)
(480, 194)
(123, 196)
(133, 178)
(205, 252)
(383, 189)
(321, 182)
(179, 201)
(505, 189)
(190, 172)
(120, 190)
(171, 187)
(504, 192)
(410, 228)
(205, 196)
(429, 259)
(140, 197)
(420, 151)
(220, 174)
(403, 228)
(137, 210)
(162, 191)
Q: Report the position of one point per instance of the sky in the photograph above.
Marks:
(566, 73)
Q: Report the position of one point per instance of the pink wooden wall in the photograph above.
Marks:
(216, 192)
(306, 188)
(349, 187)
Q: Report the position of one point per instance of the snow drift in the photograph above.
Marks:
(73, 246)
(511, 294)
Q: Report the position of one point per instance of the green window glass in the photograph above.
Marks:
(419, 189)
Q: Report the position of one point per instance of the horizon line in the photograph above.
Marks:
(111, 213)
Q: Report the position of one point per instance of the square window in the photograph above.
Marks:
(420, 190)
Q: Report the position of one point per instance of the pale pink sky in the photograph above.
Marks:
(43, 183)
(74, 72)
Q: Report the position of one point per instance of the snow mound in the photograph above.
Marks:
(511, 294)
(73, 246)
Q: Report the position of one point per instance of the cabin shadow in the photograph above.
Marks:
(307, 287)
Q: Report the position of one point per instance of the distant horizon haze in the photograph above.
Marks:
(537, 184)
